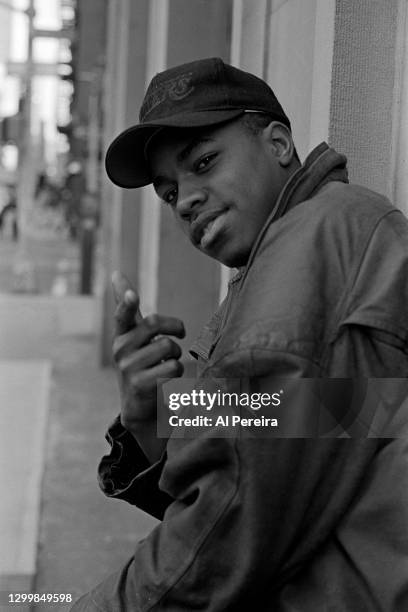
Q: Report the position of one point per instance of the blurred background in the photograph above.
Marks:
(72, 76)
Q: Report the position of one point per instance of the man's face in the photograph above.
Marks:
(221, 184)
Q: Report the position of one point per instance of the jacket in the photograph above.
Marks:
(287, 524)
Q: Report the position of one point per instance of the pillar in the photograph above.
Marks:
(124, 87)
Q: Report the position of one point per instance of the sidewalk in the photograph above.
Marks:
(83, 536)
(56, 403)
(51, 258)
(24, 391)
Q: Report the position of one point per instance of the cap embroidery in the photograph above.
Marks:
(172, 89)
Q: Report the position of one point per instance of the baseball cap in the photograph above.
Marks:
(197, 94)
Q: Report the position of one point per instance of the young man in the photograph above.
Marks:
(274, 523)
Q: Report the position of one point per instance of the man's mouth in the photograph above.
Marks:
(205, 229)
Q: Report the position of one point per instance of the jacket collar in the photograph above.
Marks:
(321, 166)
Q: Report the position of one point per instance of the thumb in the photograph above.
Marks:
(127, 312)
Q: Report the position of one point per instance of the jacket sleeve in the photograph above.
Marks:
(127, 474)
(378, 292)
(247, 514)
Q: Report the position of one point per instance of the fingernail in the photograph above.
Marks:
(130, 297)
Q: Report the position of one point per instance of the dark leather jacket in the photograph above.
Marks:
(287, 524)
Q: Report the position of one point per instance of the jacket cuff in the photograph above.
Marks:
(127, 474)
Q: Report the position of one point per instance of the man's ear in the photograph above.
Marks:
(279, 137)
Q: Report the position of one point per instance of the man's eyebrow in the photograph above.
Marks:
(182, 156)
(193, 144)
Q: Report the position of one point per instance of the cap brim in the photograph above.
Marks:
(125, 161)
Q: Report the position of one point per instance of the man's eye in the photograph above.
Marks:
(170, 196)
(204, 161)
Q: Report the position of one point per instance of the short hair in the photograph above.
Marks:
(256, 122)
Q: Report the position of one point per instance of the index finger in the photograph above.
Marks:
(127, 313)
(120, 284)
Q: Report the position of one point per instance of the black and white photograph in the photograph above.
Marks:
(204, 305)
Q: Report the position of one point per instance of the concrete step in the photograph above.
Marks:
(24, 402)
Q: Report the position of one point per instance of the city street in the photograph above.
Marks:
(58, 530)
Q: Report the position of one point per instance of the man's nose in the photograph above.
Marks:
(190, 196)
